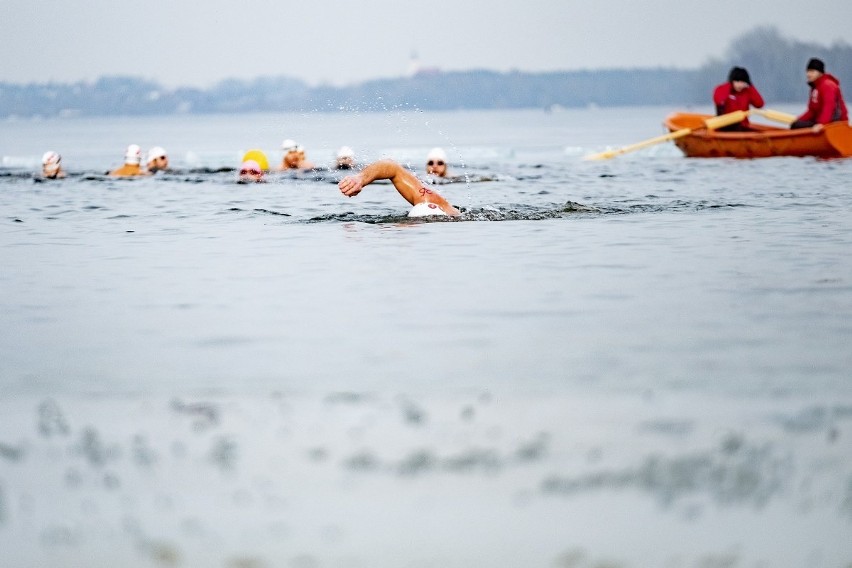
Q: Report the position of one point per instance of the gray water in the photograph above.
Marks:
(637, 362)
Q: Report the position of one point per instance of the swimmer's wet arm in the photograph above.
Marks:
(405, 182)
(352, 185)
(384, 169)
(408, 185)
(430, 196)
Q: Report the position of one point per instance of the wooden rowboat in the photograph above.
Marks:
(834, 141)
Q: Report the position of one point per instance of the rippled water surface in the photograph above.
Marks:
(643, 361)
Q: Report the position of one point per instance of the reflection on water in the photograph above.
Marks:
(219, 479)
(644, 363)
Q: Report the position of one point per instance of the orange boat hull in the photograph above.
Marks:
(834, 141)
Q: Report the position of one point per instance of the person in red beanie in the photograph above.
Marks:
(826, 103)
(736, 94)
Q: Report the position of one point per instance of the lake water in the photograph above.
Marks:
(638, 362)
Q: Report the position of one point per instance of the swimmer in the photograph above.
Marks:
(345, 159)
(406, 183)
(132, 163)
(51, 166)
(294, 157)
(158, 160)
(250, 172)
(304, 164)
(436, 163)
(257, 156)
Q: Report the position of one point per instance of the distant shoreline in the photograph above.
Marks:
(776, 65)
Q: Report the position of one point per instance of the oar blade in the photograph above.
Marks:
(609, 154)
(639, 145)
(839, 135)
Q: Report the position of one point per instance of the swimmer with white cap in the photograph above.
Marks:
(51, 166)
(294, 157)
(345, 159)
(132, 163)
(436, 162)
(158, 160)
(424, 200)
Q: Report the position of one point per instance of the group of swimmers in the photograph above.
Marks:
(158, 160)
(255, 165)
(424, 201)
(825, 104)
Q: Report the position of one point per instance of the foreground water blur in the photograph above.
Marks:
(627, 363)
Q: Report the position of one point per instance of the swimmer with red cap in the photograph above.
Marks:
(425, 201)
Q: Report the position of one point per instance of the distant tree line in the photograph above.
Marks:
(776, 66)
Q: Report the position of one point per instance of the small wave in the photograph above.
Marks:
(15, 174)
(270, 212)
(517, 213)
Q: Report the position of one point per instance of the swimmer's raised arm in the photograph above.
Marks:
(405, 182)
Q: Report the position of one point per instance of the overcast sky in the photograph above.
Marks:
(344, 41)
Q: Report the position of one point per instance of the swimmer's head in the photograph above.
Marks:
(257, 156)
(436, 162)
(133, 155)
(291, 157)
(50, 163)
(250, 171)
(51, 158)
(426, 209)
(157, 159)
(345, 158)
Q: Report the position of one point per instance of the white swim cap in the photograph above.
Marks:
(133, 155)
(425, 209)
(345, 152)
(156, 152)
(289, 145)
(437, 154)
(51, 158)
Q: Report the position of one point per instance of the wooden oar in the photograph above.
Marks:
(775, 115)
(709, 124)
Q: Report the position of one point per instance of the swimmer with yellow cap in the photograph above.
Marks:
(425, 201)
(257, 156)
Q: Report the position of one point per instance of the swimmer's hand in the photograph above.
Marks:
(350, 186)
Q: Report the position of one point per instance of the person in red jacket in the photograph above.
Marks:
(737, 94)
(826, 102)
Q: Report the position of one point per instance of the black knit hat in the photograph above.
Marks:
(816, 65)
(739, 74)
